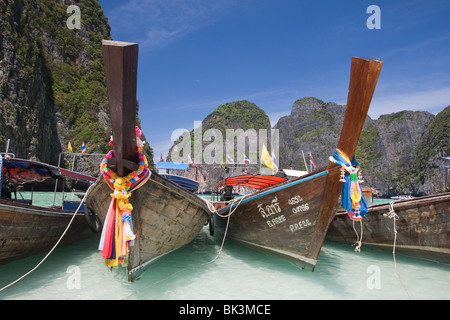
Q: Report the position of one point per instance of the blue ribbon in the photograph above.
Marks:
(346, 200)
(126, 217)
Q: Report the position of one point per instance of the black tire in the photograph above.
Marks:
(94, 224)
(211, 226)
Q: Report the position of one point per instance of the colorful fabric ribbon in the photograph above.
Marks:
(117, 234)
(353, 199)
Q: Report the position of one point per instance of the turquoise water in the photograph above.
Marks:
(77, 272)
(46, 199)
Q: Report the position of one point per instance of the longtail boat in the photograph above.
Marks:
(164, 215)
(31, 224)
(291, 218)
(418, 227)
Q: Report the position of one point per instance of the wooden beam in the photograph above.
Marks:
(363, 80)
(121, 60)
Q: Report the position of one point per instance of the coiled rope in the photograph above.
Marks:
(54, 247)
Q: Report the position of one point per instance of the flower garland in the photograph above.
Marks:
(110, 176)
(117, 234)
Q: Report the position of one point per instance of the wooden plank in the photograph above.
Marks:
(422, 227)
(121, 61)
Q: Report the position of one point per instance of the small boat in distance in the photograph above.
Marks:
(183, 182)
(164, 215)
(291, 218)
(422, 227)
(26, 228)
(402, 197)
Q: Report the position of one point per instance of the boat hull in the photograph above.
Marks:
(423, 227)
(283, 219)
(26, 230)
(165, 217)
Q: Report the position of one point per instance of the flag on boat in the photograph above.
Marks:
(266, 159)
(311, 161)
(83, 148)
(190, 160)
(69, 147)
(274, 160)
(229, 159)
(246, 159)
(162, 158)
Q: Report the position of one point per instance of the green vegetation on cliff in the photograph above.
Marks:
(434, 144)
(237, 115)
(52, 82)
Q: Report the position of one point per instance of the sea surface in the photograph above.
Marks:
(204, 270)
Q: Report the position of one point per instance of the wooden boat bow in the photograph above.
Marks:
(164, 216)
(363, 80)
(291, 218)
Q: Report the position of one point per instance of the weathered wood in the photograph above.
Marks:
(26, 230)
(121, 61)
(281, 219)
(165, 216)
(297, 229)
(423, 227)
(363, 80)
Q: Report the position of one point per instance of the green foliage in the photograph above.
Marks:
(240, 114)
(436, 141)
(78, 88)
(67, 64)
(366, 153)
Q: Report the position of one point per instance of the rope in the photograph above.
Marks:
(213, 210)
(54, 247)
(230, 212)
(358, 239)
(392, 215)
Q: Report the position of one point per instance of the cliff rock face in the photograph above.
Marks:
(28, 115)
(52, 83)
(399, 153)
(387, 149)
(312, 127)
(243, 124)
(431, 166)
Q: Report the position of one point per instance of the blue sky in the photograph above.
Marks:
(197, 54)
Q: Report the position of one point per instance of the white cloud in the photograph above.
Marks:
(158, 22)
(432, 100)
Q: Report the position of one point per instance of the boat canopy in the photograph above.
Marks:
(24, 171)
(172, 165)
(258, 181)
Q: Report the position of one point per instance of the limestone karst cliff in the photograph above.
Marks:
(52, 83)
